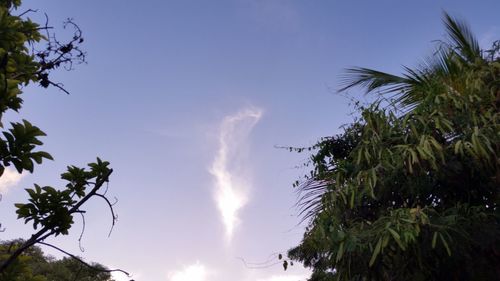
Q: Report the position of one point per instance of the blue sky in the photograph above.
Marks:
(188, 101)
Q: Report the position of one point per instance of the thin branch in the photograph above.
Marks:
(27, 11)
(112, 211)
(258, 266)
(81, 234)
(58, 85)
(83, 262)
(47, 25)
(106, 189)
(43, 237)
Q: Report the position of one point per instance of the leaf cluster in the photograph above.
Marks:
(18, 145)
(54, 209)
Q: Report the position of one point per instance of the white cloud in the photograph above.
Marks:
(227, 168)
(195, 272)
(9, 179)
(285, 278)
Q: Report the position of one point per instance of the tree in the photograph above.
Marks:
(33, 265)
(50, 210)
(410, 190)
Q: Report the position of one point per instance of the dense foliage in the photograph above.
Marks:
(33, 265)
(51, 210)
(410, 190)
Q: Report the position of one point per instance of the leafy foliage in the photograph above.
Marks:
(50, 209)
(33, 265)
(53, 209)
(410, 190)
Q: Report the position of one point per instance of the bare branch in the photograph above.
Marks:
(106, 189)
(111, 210)
(251, 266)
(83, 262)
(81, 234)
(27, 11)
(59, 86)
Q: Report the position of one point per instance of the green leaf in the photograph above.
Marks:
(351, 201)
(397, 238)
(45, 155)
(376, 251)
(445, 244)
(340, 251)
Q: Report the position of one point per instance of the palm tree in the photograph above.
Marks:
(412, 195)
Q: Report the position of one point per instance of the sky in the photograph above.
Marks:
(190, 101)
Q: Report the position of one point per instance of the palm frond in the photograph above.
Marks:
(462, 38)
(416, 84)
(311, 201)
(371, 80)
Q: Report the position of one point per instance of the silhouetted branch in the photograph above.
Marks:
(81, 233)
(111, 210)
(27, 11)
(83, 262)
(59, 86)
(262, 265)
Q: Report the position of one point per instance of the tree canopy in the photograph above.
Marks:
(34, 265)
(410, 189)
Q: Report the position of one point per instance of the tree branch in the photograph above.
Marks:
(27, 11)
(112, 212)
(81, 234)
(83, 262)
(42, 233)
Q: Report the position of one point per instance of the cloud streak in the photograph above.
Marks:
(230, 184)
(194, 272)
(9, 179)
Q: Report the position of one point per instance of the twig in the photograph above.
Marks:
(58, 85)
(111, 210)
(27, 11)
(258, 265)
(81, 234)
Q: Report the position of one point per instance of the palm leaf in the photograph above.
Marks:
(462, 38)
(371, 80)
(411, 88)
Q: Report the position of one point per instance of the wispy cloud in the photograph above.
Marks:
(9, 179)
(227, 167)
(194, 272)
